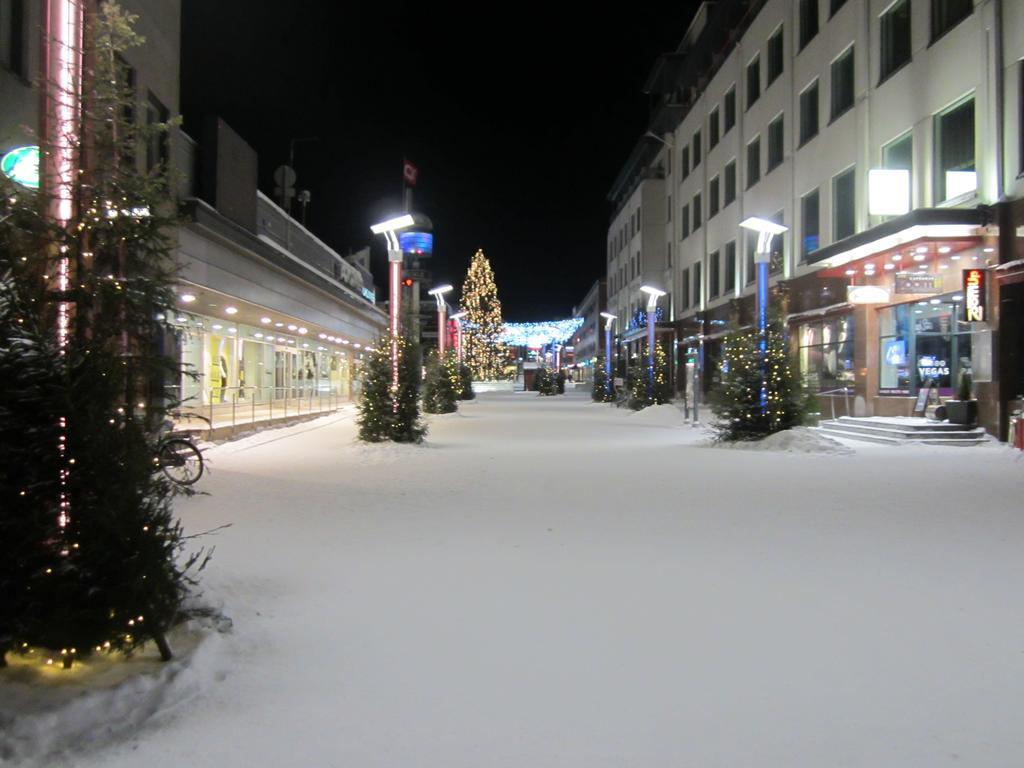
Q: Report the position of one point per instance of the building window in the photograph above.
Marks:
(157, 150)
(834, 6)
(730, 267)
(899, 154)
(753, 162)
(844, 209)
(696, 148)
(696, 285)
(776, 147)
(811, 240)
(668, 251)
(946, 14)
(751, 244)
(713, 275)
(895, 39)
(730, 110)
(775, 56)
(684, 162)
(684, 220)
(808, 21)
(12, 48)
(696, 212)
(778, 246)
(686, 289)
(809, 113)
(826, 353)
(713, 129)
(842, 83)
(955, 174)
(730, 182)
(753, 81)
(921, 345)
(713, 197)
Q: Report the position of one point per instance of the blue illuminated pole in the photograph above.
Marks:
(766, 230)
(653, 294)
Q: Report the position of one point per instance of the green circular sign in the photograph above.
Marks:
(21, 165)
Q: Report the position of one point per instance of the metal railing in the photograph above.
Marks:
(832, 401)
(238, 406)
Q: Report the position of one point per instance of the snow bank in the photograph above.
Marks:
(795, 440)
(666, 415)
(45, 711)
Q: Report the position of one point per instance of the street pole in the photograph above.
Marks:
(390, 229)
(608, 383)
(438, 294)
(766, 230)
(653, 294)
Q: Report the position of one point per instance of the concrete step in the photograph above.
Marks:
(908, 425)
(863, 438)
(896, 432)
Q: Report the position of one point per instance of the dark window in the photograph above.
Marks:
(808, 21)
(946, 14)
(668, 252)
(1020, 103)
(157, 151)
(809, 114)
(713, 197)
(730, 267)
(730, 182)
(753, 81)
(684, 162)
(955, 173)
(834, 6)
(844, 219)
(811, 240)
(685, 221)
(778, 246)
(696, 285)
(696, 212)
(753, 162)
(842, 83)
(713, 275)
(751, 242)
(669, 214)
(776, 147)
(696, 149)
(713, 129)
(16, 42)
(775, 56)
(730, 110)
(895, 42)
(686, 288)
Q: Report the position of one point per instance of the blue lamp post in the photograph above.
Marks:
(653, 294)
(609, 321)
(765, 230)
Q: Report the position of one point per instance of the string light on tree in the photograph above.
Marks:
(483, 323)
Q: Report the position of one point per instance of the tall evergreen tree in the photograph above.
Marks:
(89, 548)
(737, 400)
(440, 385)
(483, 351)
(385, 414)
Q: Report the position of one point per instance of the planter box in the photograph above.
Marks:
(962, 411)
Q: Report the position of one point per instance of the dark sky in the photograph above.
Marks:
(518, 122)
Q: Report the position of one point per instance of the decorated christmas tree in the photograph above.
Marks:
(644, 390)
(89, 548)
(465, 383)
(441, 383)
(737, 401)
(483, 351)
(601, 392)
(386, 413)
(545, 381)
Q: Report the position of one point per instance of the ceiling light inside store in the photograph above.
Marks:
(851, 271)
(897, 257)
(231, 310)
(936, 301)
(265, 320)
(988, 250)
(958, 297)
(217, 327)
(919, 257)
(890, 266)
(943, 266)
(181, 319)
(293, 327)
(922, 249)
(188, 298)
(279, 325)
(945, 249)
(260, 336)
(303, 331)
(357, 346)
(955, 258)
(306, 345)
(324, 336)
(232, 330)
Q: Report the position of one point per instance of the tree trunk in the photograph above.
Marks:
(162, 645)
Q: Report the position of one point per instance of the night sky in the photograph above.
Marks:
(518, 123)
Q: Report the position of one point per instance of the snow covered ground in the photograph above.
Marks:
(550, 582)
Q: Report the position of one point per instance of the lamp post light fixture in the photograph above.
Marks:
(653, 294)
(609, 321)
(766, 230)
(389, 228)
(457, 317)
(438, 294)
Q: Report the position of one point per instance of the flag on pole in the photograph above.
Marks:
(409, 173)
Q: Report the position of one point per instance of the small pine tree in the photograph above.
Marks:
(545, 382)
(465, 383)
(737, 401)
(384, 414)
(560, 382)
(439, 386)
(601, 392)
(644, 391)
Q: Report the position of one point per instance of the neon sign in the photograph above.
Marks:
(21, 165)
(974, 295)
(417, 243)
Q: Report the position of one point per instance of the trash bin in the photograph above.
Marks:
(1018, 432)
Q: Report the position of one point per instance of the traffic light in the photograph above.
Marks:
(407, 282)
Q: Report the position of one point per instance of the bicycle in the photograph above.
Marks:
(179, 458)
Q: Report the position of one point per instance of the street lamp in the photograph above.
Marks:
(609, 321)
(389, 229)
(457, 317)
(766, 230)
(438, 294)
(653, 294)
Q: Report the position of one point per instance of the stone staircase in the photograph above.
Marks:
(898, 431)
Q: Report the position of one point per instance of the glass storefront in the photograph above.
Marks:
(240, 363)
(826, 353)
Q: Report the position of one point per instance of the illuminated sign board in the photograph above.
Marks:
(418, 243)
(913, 282)
(975, 306)
(369, 295)
(21, 165)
